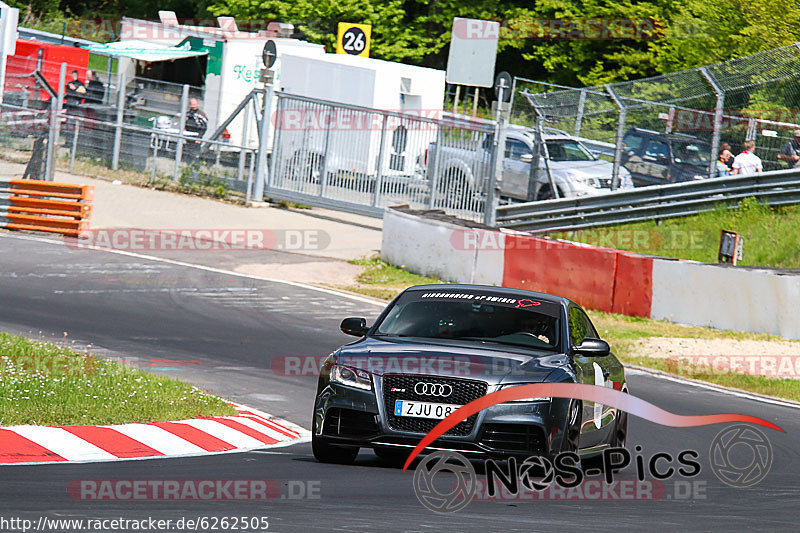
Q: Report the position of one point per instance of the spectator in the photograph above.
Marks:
(75, 90)
(95, 90)
(790, 153)
(747, 162)
(724, 159)
(729, 162)
(196, 120)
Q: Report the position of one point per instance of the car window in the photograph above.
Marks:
(691, 153)
(516, 149)
(657, 151)
(632, 141)
(580, 327)
(474, 317)
(568, 150)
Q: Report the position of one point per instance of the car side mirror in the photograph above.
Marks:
(593, 348)
(355, 326)
(526, 158)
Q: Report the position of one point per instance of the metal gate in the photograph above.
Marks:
(362, 160)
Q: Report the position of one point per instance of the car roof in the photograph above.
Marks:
(683, 137)
(501, 291)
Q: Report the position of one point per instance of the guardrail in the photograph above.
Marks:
(781, 187)
(45, 206)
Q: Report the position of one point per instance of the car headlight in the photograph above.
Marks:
(351, 377)
(524, 400)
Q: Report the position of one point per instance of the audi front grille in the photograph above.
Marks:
(463, 392)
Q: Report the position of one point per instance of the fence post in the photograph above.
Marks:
(261, 164)
(75, 134)
(181, 124)
(323, 176)
(620, 134)
(276, 145)
(579, 116)
(120, 116)
(55, 122)
(379, 170)
(490, 208)
(718, 108)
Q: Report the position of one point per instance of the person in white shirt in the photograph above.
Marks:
(747, 162)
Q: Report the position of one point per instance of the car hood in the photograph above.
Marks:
(452, 359)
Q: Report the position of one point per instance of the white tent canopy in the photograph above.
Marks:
(144, 51)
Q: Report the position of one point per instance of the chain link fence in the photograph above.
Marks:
(122, 124)
(750, 98)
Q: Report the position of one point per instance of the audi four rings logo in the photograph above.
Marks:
(433, 389)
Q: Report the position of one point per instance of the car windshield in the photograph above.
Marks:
(568, 150)
(481, 317)
(691, 153)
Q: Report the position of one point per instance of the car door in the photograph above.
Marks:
(597, 419)
(656, 161)
(516, 173)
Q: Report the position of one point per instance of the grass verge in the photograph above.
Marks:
(45, 384)
(382, 280)
(770, 235)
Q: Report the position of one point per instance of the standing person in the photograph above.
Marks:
(747, 162)
(95, 90)
(729, 162)
(75, 90)
(196, 119)
(790, 153)
(197, 123)
(724, 159)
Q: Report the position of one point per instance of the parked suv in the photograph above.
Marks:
(575, 169)
(655, 158)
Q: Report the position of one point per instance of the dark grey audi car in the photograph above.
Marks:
(438, 347)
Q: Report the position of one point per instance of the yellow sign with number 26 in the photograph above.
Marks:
(353, 39)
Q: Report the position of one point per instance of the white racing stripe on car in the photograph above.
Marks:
(63, 443)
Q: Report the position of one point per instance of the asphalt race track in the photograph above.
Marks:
(226, 332)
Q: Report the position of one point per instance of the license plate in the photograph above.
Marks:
(423, 409)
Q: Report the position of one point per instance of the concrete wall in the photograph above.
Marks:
(684, 292)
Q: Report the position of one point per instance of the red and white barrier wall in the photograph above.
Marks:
(604, 279)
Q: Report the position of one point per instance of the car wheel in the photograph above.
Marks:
(546, 193)
(329, 453)
(305, 167)
(453, 189)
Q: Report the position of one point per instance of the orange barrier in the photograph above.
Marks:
(48, 206)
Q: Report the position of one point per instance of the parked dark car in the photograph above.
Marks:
(438, 347)
(655, 158)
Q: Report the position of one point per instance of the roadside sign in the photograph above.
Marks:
(473, 50)
(270, 53)
(503, 80)
(353, 39)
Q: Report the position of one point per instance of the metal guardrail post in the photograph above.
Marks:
(181, 124)
(490, 209)
(379, 170)
(620, 134)
(56, 104)
(120, 117)
(718, 109)
(243, 152)
(579, 115)
(545, 153)
(261, 164)
(276, 142)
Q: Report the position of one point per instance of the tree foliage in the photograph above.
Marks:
(689, 32)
